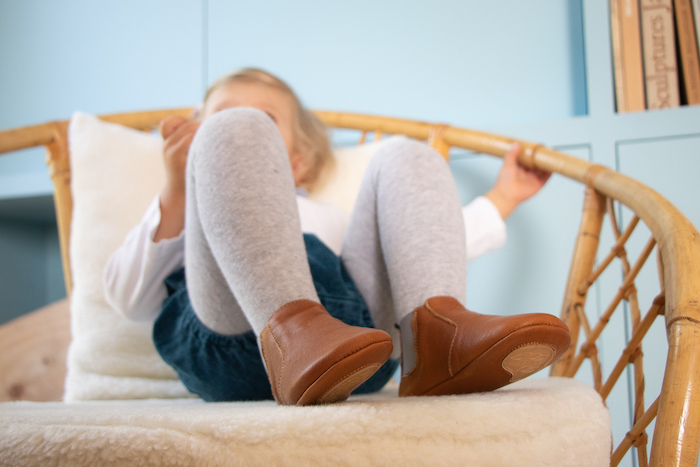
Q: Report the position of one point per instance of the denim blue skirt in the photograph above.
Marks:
(229, 368)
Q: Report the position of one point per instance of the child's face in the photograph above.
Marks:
(274, 102)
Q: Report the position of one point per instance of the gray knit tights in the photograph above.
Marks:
(244, 249)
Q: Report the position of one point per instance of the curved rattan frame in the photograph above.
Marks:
(676, 439)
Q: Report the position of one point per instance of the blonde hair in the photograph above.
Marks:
(311, 135)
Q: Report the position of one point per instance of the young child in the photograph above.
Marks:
(233, 262)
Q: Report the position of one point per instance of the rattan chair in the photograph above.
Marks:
(676, 437)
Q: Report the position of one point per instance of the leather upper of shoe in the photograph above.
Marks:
(447, 337)
(302, 341)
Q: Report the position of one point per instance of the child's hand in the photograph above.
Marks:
(177, 133)
(515, 183)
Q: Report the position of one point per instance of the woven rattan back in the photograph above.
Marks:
(676, 410)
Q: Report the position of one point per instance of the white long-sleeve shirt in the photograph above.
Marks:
(135, 273)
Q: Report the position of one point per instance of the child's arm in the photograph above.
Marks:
(484, 217)
(134, 274)
(515, 184)
(484, 227)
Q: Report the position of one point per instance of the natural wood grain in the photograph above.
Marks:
(33, 351)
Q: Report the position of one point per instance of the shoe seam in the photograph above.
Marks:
(454, 335)
(355, 351)
(414, 328)
(278, 378)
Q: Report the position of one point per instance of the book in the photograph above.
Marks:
(627, 55)
(688, 51)
(659, 53)
(696, 14)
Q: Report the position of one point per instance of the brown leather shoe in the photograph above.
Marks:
(314, 358)
(460, 352)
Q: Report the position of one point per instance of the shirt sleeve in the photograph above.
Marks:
(484, 227)
(134, 276)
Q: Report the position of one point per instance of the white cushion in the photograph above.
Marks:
(115, 173)
(342, 184)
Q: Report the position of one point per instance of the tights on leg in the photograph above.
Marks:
(244, 251)
(405, 242)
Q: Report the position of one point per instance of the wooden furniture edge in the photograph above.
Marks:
(33, 356)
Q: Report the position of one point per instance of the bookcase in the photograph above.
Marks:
(655, 53)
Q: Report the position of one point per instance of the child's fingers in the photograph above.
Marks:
(544, 176)
(185, 131)
(183, 136)
(170, 124)
(512, 155)
(177, 145)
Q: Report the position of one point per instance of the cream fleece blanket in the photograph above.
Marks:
(536, 422)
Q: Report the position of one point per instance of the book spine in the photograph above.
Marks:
(627, 55)
(659, 52)
(688, 48)
(696, 14)
(632, 57)
(618, 50)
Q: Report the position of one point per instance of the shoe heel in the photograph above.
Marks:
(342, 390)
(338, 382)
(527, 360)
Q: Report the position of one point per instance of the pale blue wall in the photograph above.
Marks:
(474, 63)
(464, 62)
(61, 56)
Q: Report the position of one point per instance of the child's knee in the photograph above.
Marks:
(408, 153)
(233, 127)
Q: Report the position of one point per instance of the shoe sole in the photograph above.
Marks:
(341, 379)
(342, 390)
(511, 359)
(527, 360)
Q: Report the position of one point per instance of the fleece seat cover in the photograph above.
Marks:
(536, 422)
